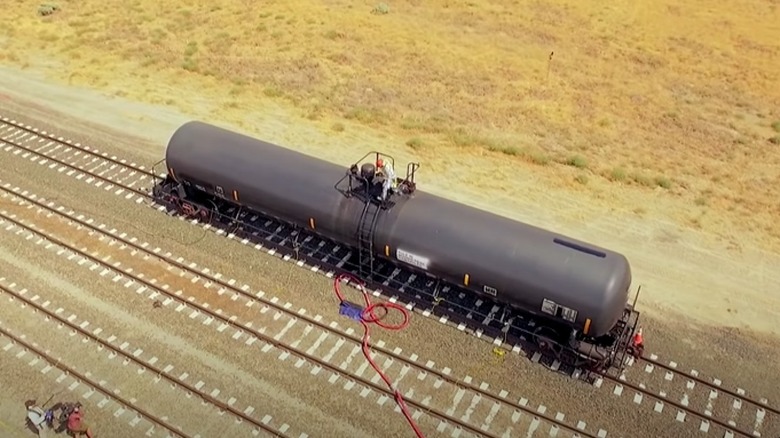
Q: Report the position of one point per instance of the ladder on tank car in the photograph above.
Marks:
(366, 238)
(359, 182)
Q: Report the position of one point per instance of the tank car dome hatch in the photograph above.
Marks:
(367, 171)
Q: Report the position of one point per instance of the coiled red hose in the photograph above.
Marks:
(369, 317)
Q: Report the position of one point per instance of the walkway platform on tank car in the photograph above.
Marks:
(364, 181)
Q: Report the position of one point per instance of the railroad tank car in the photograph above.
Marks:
(564, 280)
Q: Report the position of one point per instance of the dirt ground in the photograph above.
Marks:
(683, 272)
(672, 104)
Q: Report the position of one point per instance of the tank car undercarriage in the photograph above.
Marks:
(559, 345)
(595, 355)
(175, 195)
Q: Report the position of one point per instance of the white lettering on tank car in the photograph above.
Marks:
(490, 290)
(568, 314)
(550, 307)
(412, 259)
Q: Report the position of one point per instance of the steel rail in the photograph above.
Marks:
(86, 149)
(323, 326)
(91, 383)
(160, 372)
(266, 338)
(354, 338)
(483, 329)
(311, 320)
(679, 406)
(357, 340)
(711, 385)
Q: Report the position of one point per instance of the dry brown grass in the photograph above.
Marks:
(679, 98)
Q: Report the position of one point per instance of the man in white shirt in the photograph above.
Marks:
(389, 173)
(37, 417)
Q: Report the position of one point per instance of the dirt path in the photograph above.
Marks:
(683, 272)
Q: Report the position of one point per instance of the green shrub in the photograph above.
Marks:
(663, 181)
(47, 9)
(539, 158)
(618, 174)
(577, 161)
(415, 143)
(381, 9)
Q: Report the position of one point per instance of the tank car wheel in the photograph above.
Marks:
(635, 351)
(544, 337)
(174, 201)
(171, 200)
(207, 214)
(187, 209)
(594, 367)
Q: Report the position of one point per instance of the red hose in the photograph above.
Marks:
(369, 317)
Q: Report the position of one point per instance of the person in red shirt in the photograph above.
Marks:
(77, 425)
(638, 343)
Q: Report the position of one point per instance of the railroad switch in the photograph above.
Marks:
(351, 310)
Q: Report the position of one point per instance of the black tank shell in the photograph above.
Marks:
(517, 263)
(276, 181)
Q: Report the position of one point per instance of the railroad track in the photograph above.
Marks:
(733, 412)
(146, 365)
(277, 235)
(466, 312)
(18, 346)
(82, 162)
(453, 405)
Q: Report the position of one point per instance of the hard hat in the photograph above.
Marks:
(379, 162)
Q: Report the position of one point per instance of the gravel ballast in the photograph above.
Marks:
(254, 378)
(721, 353)
(21, 382)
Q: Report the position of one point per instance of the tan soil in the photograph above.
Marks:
(624, 99)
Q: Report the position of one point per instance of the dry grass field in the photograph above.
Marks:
(681, 99)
